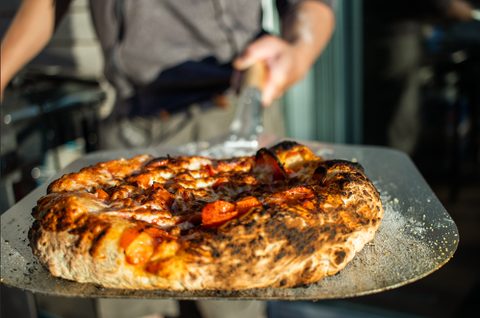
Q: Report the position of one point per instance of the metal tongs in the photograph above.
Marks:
(246, 125)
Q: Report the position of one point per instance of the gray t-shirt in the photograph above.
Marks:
(166, 54)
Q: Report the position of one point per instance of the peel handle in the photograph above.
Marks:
(255, 76)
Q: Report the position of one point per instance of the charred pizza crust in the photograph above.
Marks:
(147, 222)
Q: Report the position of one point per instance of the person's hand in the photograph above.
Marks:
(459, 10)
(306, 31)
(284, 63)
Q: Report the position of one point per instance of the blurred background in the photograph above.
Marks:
(396, 74)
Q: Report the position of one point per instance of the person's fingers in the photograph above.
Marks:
(260, 50)
(276, 81)
(277, 55)
(268, 95)
(245, 61)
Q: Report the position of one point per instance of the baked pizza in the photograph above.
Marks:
(281, 218)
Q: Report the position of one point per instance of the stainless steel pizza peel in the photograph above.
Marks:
(417, 236)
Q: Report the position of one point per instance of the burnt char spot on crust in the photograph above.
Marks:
(355, 176)
(309, 271)
(61, 221)
(193, 275)
(320, 174)
(157, 162)
(310, 250)
(193, 251)
(64, 222)
(300, 238)
(33, 235)
(330, 164)
(266, 152)
(97, 242)
(346, 178)
(35, 211)
(339, 257)
(215, 252)
(90, 234)
(284, 146)
(236, 251)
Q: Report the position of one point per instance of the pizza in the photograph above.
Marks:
(281, 218)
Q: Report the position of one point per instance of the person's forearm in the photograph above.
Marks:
(459, 10)
(29, 32)
(308, 27)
